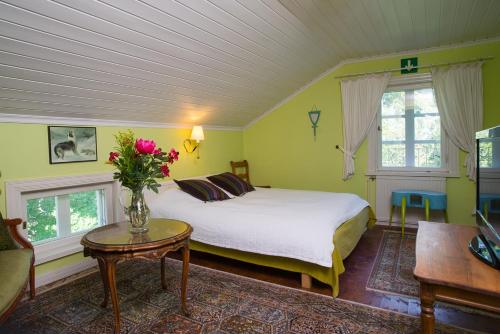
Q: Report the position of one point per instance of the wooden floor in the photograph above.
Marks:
(352, 284)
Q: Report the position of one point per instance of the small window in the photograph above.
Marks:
(59, 210)
(59, 214)
(410, 130)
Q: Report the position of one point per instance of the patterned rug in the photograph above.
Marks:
(393, 268)
(219, 303)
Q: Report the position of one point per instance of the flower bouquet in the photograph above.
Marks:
(140, 163)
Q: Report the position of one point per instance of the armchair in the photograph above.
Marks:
(17, 266)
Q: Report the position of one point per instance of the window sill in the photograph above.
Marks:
(412, 173)
(55, 249)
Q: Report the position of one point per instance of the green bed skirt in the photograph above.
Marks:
(345, 239)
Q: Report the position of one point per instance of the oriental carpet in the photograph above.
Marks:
(393, 268)
(218, 302)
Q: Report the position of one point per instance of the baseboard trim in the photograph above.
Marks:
(64, 272)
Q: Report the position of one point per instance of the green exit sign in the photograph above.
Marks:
(409, 65)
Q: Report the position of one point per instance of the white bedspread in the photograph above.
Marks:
(281, 222)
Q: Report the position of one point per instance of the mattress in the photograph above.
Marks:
(278, 222)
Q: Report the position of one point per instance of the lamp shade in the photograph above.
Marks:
(197, 133)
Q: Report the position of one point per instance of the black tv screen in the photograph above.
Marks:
(488, 193)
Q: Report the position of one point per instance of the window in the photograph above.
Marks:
(65, 214)
(59, 210)
(410, 129)
(407, 138)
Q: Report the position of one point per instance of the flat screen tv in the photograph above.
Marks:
(486, 245)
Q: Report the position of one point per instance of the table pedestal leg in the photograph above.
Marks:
(427, 308)
(111, 271)
(104, 277)
(185, 272)
(163, 280)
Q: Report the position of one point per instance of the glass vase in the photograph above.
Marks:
(138, 212)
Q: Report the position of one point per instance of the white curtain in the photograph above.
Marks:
(360, 102)
(459, 98)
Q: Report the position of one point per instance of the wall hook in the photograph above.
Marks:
(340, 148)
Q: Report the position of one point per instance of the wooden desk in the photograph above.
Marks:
(112, 243)
(448, 271)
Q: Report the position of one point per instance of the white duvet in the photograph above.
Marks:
(281, 222)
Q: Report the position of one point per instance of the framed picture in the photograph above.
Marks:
(72, 144)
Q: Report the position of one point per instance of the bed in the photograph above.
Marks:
(321, 228)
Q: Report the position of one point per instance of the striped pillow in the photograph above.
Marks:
(202, 190)
(231, 183)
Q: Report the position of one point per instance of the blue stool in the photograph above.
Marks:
(489, 203)
(429, 200)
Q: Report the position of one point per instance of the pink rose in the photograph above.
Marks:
(157, 151)
(113, 156)
(144, 146)
(173, 154)
(165, 170)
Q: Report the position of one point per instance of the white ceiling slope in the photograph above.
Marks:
(213, 62)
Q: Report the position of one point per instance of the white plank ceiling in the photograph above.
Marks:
(211, 62)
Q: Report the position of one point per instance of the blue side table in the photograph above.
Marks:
(489, 203)
(429, 200)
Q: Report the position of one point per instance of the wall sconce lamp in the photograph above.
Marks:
(197, 136)
(314, 118)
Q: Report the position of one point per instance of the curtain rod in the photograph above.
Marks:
(421, 66)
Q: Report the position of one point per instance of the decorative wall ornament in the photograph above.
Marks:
(314, 118)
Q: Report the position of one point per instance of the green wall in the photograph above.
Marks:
(282, 151)
(24, 155)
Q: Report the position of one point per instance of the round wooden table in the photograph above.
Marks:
(112, 243)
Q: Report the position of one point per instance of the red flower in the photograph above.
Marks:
(157, 151)
(113, 156)
(144, 146)
(165, 170)
(173, 154)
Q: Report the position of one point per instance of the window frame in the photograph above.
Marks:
(19, 191)
(449, 152)
(65, 228)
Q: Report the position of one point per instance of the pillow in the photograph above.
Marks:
(231, 183)
(202, 190)
(225, 191)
